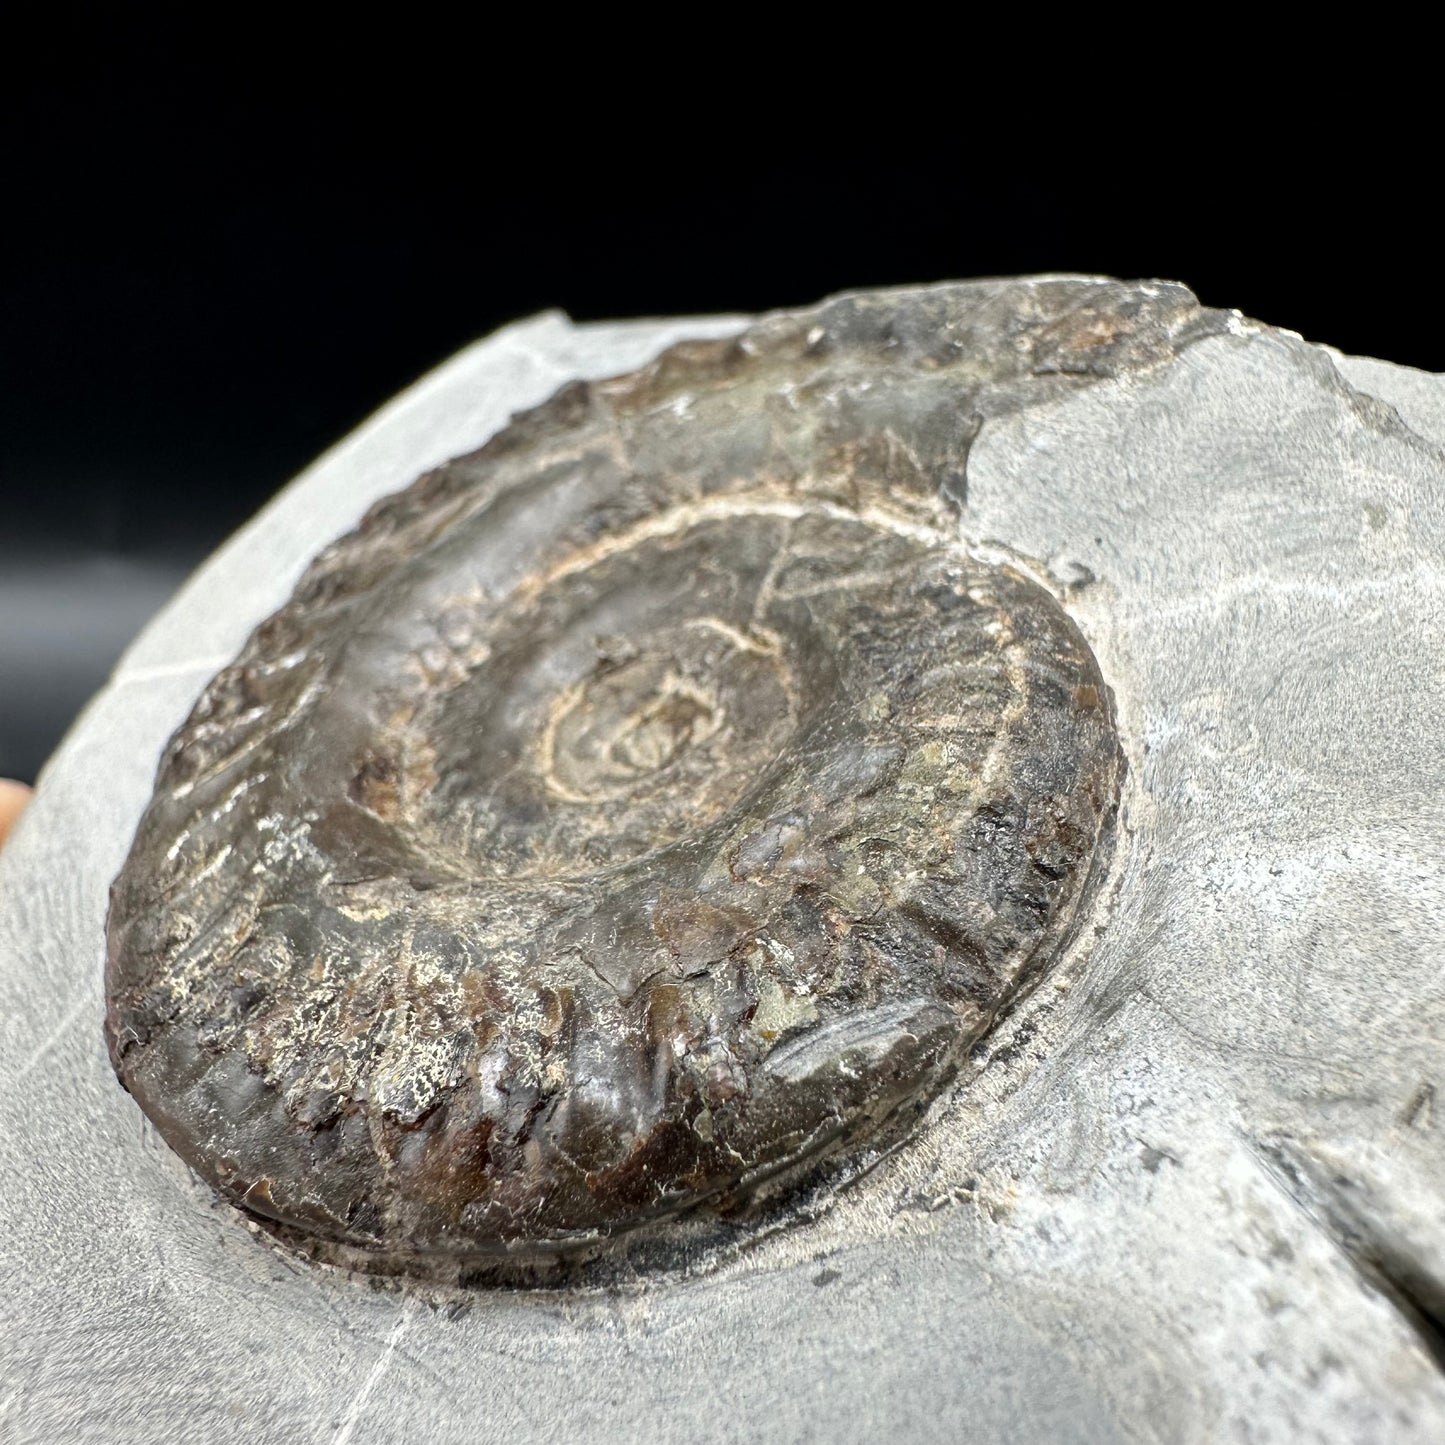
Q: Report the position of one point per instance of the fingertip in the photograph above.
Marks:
(14, 798)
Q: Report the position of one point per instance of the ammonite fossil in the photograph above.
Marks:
(654, 803)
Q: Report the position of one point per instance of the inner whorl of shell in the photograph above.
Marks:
(656, 800)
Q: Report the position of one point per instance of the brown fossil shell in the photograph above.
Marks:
(655, 802)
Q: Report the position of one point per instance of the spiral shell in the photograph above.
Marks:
(656, 802)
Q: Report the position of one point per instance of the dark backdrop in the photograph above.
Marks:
(221, 252)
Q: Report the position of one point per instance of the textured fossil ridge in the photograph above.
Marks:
(657, 800)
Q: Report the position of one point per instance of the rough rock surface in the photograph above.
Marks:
(1191, 1188)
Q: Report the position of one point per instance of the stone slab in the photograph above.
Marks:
(1196, 1191)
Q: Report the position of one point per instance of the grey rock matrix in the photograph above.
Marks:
(1189, 1188)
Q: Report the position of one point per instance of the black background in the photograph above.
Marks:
(221, 250)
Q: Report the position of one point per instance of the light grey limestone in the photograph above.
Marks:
(1197, 1191)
